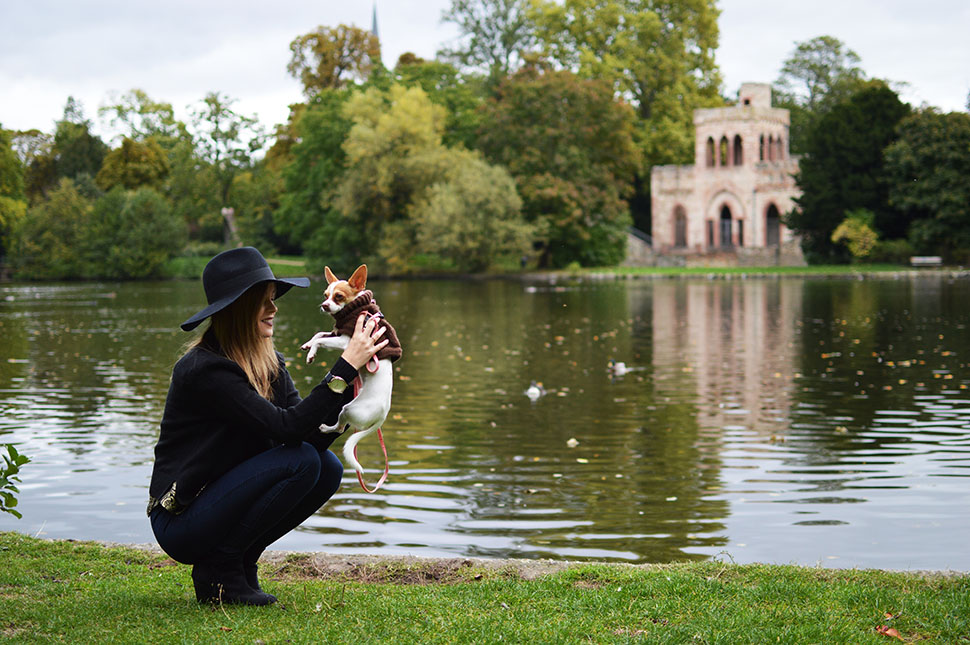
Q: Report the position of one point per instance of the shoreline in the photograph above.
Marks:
(323, 564)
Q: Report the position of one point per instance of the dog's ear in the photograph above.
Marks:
(359, 280)
(328, 274)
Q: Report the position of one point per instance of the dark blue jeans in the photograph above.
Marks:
(250, 507)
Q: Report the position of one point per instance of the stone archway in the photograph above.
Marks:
(680, 227)
(725, 215)
(772, 226)
(724, 227)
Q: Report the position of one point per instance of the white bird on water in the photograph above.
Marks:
(535, 391)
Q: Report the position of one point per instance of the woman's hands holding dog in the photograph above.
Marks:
(365, 342)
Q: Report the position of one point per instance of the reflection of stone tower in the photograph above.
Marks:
(731, 200)
(732, 342)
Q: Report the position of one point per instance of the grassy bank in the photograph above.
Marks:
(190, 268)
(88, 593)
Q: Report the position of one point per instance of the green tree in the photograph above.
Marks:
(226, 143)
(35, 149)
(45, 242)
(657, 54)
(472, 220)
(76, 150)
(927, 169)
(494, 35)
(329, 58)
(133, 164)
(462, 95)
(569, 145)
(129, 234)
(818, 74)
(843, 171)
(400, 179)
(13, 200)
(310, 179)
(141, 118)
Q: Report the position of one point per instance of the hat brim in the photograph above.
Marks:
(282, 286)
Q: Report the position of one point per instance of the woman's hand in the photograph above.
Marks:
(365, 342)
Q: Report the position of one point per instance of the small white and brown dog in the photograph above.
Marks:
(345, 300)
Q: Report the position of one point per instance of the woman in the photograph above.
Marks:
(240, 461)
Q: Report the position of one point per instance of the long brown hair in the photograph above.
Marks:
(237, 329)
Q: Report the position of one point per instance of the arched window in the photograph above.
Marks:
(771, 147)
(761, 149)
(726, 226)
(780, 152)
(772, 227)
(723, 151)
(680, 228)
(710, 152)
(738, 152)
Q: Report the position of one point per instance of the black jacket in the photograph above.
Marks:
(214, 420)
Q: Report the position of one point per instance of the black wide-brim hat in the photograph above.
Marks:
(230, 274)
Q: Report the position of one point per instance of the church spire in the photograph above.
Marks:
(373, 24)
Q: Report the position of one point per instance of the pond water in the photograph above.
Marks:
(772, 420)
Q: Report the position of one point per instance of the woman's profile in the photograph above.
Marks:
(239, 460)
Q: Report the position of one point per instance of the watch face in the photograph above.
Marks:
(336, 384)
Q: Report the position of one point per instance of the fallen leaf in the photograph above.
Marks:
(226, 629)
(886, 630)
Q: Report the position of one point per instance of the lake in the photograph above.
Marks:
(783, 420)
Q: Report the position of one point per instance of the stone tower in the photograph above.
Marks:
(729, 203)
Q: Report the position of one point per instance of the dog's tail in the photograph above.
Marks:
(351, 444)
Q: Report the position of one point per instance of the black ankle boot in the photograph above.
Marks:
(226, 583)
(252, 579)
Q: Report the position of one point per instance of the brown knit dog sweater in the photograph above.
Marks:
(346, 319)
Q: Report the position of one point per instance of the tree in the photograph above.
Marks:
(133, 164)
(226, 142)
(35, 149)
(395, 163)
(817, 75)
(461, 95)
(310, 179)
(927, 169)
(329, 58)
(569, 145)
(843, 171)
(77, 151)
(141, 118)
(493, 35)
(472, 219)
(656, 54)
(45, 242)
(129, 234)
(13, 200)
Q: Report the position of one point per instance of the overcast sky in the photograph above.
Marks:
(178, 50)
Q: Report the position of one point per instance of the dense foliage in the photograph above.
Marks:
(843, 171)
(528, 142)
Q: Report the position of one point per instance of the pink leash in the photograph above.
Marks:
(380, 435)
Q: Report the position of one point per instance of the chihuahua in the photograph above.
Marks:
(345, 300)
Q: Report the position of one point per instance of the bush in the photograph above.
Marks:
(46, 240)
(130, 234)
(892, 252)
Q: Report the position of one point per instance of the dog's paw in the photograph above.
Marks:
(325, 429)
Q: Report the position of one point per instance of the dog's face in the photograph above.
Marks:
(340, 292)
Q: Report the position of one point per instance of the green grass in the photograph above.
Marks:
(819, 270)
(52, 591)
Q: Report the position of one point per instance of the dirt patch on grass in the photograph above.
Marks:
(402, 570)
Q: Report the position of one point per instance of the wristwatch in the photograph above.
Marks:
(335, 383)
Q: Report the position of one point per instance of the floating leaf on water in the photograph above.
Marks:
(582, 460)
(671, 499)
(572, 442)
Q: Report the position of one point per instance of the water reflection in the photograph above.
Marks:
(777, 420)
